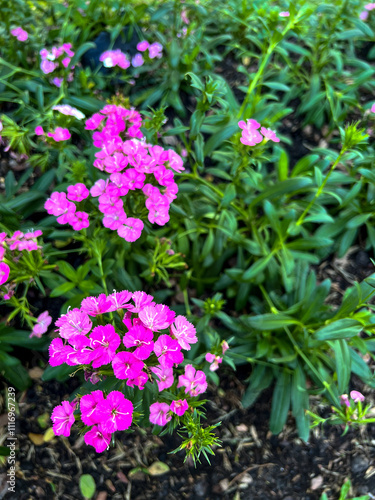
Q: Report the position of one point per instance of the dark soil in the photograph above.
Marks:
(251, 464)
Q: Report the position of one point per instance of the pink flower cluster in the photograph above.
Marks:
(356, 396)
(154, 49)
(134, 168)
(17, 242)
(57, 58)
(251, 136)
(133, 353)
(61, 206)
(112, 58)
(20, 34)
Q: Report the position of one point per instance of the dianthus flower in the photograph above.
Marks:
(20, 34)
(179, 407)
(126, 366)
(155, 50)
(75, 322)
(77, 192)
(115, 412)
(284, 14)
(142, 338)
(39, 130)
(141, 300)
(357, 396)
(269, 135)
(194, 382)
(165, 376)
(4, 272)
(60, 134)
(168, 351)
(143, 45)
(137, 61)
(119, 300)
(214, 360)
(159, 414)
(58, 352)
(98, 438)
(43, 322)
(156, 317)
(63, 418)
(88, 407)
(131, 229)
(96, 305)
(184, 332)
(250, 135)
(104, 341)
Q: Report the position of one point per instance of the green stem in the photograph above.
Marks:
(321, 188)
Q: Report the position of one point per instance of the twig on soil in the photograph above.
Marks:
(239, 476)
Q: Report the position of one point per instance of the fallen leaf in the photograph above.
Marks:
(48, 435)
(158, 469)
(37, 439)
(36, 373)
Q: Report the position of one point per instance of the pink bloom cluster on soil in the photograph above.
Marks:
(147, 347)
(251, 136)
(135, 170)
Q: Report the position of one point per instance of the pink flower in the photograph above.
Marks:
(20, 34)
(373, 108)
(4, 272)
(370, 6)
(224, 346)
(165, 376)
(194, 382)
(184, 17)
(104, 340)
(58, 352)
(179, 407)
(344, 400)
(74, 323)
(77, 192)
(115, 412)
(141, 300)
(184, 332)
(88, 406)
(119, 300)
(94, 122)
(141, 338)
(137, 61)
(357, 396)
(143, 45)
(363, 15)
(57, 81)
(125, 365)
(269, 135)
(43, 322)
(131, 230)
(39, 130)
(140, 381)
(159, 414)
(112, 58)
(168, 351)
(60, 134)
(59, 206)
(63, 419)
(99, 188)
(284, 14)
(155, 50)
(79, 220)
(96, 305)
(214, 360)
(98, 438)
(250, 135)
(156, 317)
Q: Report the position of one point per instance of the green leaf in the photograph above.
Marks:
(282, 166)
(280, 402)
(268, 321)
(300, 403)
(87, 486)
(62, 289)
(343, 364)
(260, 378)
(256, 268)
(340, 329)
